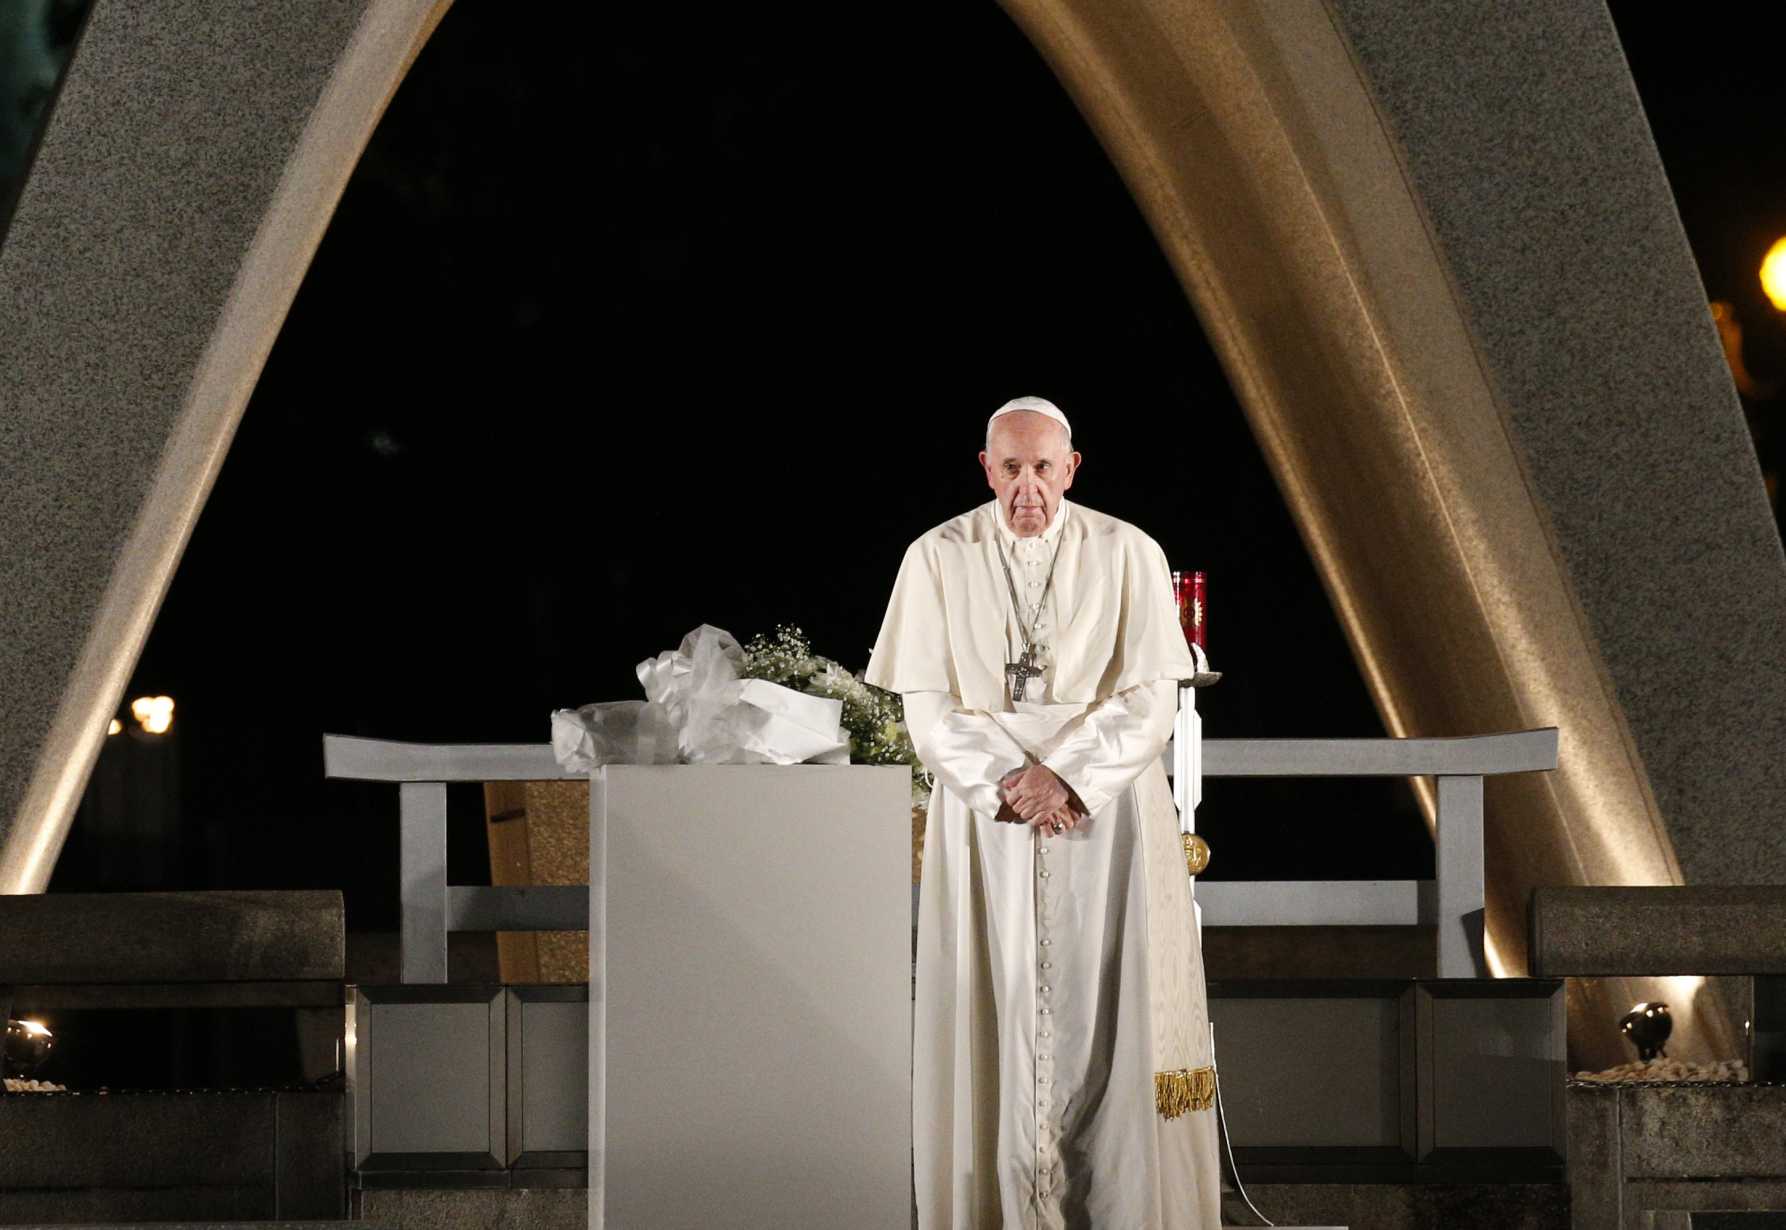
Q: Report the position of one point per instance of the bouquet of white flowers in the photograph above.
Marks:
(874, 719)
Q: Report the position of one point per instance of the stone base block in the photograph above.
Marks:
(1644, 1157)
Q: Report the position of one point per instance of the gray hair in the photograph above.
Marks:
(1064, 430)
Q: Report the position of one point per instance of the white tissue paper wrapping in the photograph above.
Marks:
(698, 711)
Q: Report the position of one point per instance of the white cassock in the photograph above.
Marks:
(1060, 1000)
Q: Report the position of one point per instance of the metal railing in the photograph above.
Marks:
(1453, 901)
(430, 906)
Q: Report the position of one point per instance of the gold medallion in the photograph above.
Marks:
(1196, 853)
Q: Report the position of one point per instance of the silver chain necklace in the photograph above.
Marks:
(1025, 667)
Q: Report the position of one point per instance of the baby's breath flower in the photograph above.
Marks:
(874, 719)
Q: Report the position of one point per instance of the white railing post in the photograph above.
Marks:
(1458, 869)
(1187, 758)
(422, 868)
(1187, 772)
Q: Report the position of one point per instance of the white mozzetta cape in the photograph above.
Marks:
(1117, 622)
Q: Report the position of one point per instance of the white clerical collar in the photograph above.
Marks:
(1047, 535)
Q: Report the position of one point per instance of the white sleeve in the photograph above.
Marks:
(1114, 740)
(966, 748)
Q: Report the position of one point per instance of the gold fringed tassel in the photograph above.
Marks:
(1184, 1089)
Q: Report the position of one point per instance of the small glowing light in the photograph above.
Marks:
(154, 714)
(1496, 967)
(1773, 274)
(1683, 988)
(36, 1027)
(116, 728)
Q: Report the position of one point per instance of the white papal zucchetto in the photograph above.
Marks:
(1034, 405)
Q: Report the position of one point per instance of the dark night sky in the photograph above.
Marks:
(663, 321)
(1711, 84)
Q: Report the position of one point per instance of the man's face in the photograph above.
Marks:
(1028, 466)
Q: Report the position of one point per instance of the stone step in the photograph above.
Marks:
(1320, 952)
(1605, 932)
(174, 1157)
(56, 938)
(478, 1209)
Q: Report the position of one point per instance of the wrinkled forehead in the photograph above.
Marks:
(1026, 435)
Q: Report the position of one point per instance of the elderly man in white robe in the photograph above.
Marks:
(1061, 1061)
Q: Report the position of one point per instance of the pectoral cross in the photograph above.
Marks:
(1021, 672)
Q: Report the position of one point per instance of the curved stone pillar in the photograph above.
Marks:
(191, 164)
(1435, 250)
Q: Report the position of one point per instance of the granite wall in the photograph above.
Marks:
(1522, 137)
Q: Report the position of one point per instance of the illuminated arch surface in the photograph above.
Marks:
(1436, 251)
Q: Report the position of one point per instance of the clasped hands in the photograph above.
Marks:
(1035, 795)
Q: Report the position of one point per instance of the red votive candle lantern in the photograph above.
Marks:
(1192, 589)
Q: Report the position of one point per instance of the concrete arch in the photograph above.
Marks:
(1436, 251)
(187, 174)
(1433, 246)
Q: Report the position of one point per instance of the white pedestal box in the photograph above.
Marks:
(750, 997)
